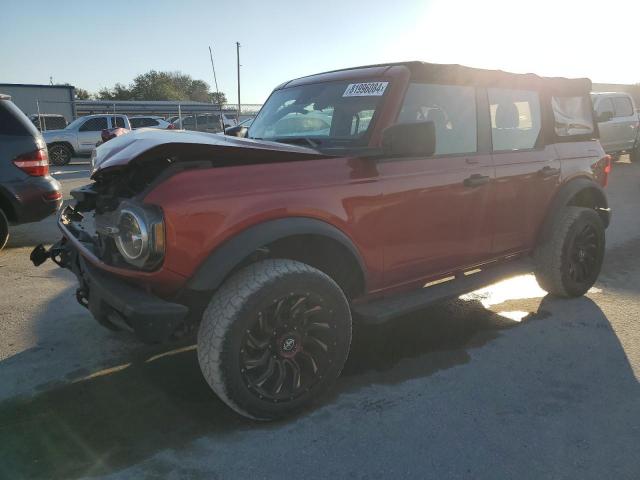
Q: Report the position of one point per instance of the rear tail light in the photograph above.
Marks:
(602, 170)
(52, 196)
(171, 127)
(35, 163)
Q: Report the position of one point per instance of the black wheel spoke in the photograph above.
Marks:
(267, 373)
(252, 363)
(286, 350)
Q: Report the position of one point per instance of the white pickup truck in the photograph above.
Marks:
(80, 136)
(618, 123)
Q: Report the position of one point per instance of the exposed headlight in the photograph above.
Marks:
(133, 237)
(139, 235)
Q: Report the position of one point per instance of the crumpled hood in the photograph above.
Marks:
(149, 142)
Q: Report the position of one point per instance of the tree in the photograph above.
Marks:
(82, 94)
(155, 85)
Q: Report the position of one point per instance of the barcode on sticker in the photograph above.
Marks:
(369, 89)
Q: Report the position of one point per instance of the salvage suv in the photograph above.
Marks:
(359, 194)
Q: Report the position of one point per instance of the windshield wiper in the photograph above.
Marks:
(297, 140)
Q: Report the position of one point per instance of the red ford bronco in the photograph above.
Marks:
(353, 194)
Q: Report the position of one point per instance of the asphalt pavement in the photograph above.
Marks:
(503, 383)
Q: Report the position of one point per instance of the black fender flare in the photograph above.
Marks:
(562, 199)
(224, 259)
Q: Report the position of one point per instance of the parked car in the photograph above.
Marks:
(27, 192)
(49, 121)
(80, 136)
(268, 246)
(240, 129)
(205, 123)
(618, 123)
(150, 122)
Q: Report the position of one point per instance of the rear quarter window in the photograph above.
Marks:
(14, 122)
(623, 107)
(572, 115)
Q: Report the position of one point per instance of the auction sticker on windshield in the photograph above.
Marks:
(369, 89)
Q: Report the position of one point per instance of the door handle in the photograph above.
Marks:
(549, 171)
(476, 180)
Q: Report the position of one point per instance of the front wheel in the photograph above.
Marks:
(568, 263)
(274, 338)
(4, 230)
(59, 154)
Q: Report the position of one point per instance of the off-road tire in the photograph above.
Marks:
(59, 154)
(4, 230)
(233, 310)
(556, 257)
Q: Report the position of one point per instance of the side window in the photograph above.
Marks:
(572, 115)
(515, 119)
(622, 106)
(152, 122)
(96, 124)
(118, 122)
(604, 105)
(136, 122)
(451, 108)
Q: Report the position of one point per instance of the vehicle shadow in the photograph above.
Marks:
(116, 418)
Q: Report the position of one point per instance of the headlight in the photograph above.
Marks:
(139, 235)
(133, 237)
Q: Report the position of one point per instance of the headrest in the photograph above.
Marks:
(507, 115)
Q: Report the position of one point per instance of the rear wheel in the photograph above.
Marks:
(4, 230)
(274, 338)
(59, 154)
(568, 263)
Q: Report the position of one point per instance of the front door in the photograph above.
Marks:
(434, 208)
(625, 122)
(90, 133)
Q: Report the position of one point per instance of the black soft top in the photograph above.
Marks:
(461, 75)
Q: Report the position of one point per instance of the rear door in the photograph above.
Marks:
(527, 171)
(625, 122)
(435, 208)
(90, 133)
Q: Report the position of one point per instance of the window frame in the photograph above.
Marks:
(482, 148)
(615, 109)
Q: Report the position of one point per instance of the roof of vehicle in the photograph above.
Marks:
(454, 74)
(155, 117)
(35, 115)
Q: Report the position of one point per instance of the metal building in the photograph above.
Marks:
(48, 98)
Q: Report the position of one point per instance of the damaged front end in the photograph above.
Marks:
(109, 236)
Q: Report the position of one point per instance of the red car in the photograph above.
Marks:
(350, 192)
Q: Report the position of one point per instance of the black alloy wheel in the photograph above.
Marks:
(289, 347)
(583, 254)
(59, 155)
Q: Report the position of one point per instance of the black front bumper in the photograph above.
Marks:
(118, 304)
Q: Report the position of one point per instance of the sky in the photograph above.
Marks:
(92, 44)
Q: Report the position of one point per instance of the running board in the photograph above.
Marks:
(384, 309)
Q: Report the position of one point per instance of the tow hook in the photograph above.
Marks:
(39, 255)
(58, 253)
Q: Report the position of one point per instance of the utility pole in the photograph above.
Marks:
(215, 80)
(238, 61)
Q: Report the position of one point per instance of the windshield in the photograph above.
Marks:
(321, 115)
(75, 123)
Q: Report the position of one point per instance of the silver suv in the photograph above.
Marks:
(618, 123)
(80, 136)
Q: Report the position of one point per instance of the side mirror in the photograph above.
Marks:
(410, 139)
(237, 131)
(604, 116)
